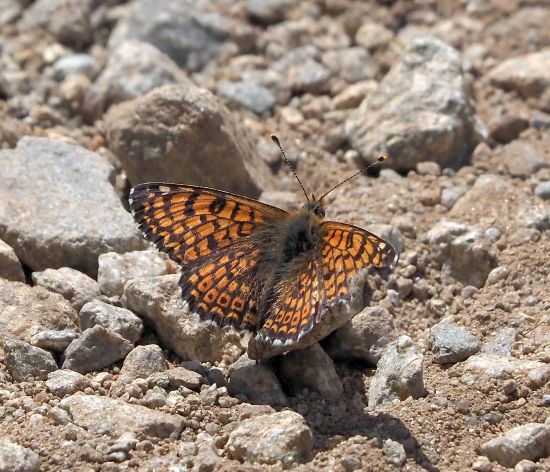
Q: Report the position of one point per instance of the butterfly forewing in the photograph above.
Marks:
(190, 223)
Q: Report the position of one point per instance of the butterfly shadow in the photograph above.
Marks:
(376, 427)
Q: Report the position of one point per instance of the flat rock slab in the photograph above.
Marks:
(25, 311)
(115, 417)
(64, 211)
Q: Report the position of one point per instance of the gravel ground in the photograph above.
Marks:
(446, 364)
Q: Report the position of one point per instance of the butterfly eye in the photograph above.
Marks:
(319, 211)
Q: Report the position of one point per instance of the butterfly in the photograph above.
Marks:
(254, 266)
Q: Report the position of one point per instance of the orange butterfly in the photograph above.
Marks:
(252, 265)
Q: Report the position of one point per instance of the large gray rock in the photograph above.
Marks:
(313, 369)
(399, 374)
(158, 300)
(27, 363)
(190, 36)
(116, 269)
(450, 343)
(117, 319)
(10, 267)
(256, 382)
(527, 75)
(363, 337)
(134, 68)
(267, 439)
(63, 212)
(16, 458)
(95, 349)
(529, 441)
(183, 134)
(25, 311)
(421, 110)
(72, 284)
(114, 417)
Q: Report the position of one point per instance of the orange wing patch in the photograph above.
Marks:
(191, 223)
(223, 289)
(298, 301)
(347, 250)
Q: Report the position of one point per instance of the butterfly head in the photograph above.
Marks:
(314, 206)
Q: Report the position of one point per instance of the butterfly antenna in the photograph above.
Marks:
(377, 161)
(275, 139)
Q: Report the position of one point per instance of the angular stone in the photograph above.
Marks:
(278, 437)
(179, 28)
(469, 258)
(27, 363)
(363, 337)
(25, 311)
(133, 69)
(53, 340)
(66, 382)
(142, 362)
(10, 267)
(313, 369)
(158, 300)
(16, 458)
(104, 415)
(450, 343)
(529, 441)
(183, 134)
(256, 382)
(421, 108)
(73, 285)
(117, 319)
(95, 349)
(180, 377)
(116, 269)
(48, 212)
(399, 374)
(351, 64)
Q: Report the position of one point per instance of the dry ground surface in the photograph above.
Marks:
(116, 93)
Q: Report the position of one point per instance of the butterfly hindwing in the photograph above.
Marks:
(190, 223)
(298, 301)
(222, 288)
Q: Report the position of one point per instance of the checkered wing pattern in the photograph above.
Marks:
(207, 232)
(347, 250)
(323, 279)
